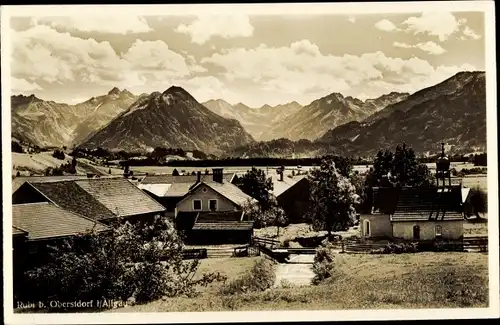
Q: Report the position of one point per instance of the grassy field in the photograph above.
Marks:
(361, 281)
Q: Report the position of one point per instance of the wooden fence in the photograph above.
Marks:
(190, 254)
(475, 243)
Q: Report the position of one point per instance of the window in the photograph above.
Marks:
(196, 205)
(204, 190)
(416, 232)
(366, 228)
(439, 231)
(212, 205)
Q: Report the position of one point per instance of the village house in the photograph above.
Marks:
(417, 214)
(212, 212)
(168, 190)
(35, 227)
(292, 193)
(101, 199)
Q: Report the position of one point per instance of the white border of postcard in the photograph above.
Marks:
(257, 316)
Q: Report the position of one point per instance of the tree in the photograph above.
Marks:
(73, 163)
(109, 171)
(274, 215)
(332, 198)
(255, 184)
(401, 168)
(175, 172)
(478, 201)
(139, 262)
(16, 147)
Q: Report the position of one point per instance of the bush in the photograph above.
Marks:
(392, 248)
(323, 264)
(59, 154)
(478, 200)
(261, 277)
(130, 262)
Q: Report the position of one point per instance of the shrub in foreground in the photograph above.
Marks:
(130, 262)
(262, 276)
(323, 264)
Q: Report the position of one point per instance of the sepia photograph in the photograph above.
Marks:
(258, 162)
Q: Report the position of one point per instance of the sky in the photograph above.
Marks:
(253, 59)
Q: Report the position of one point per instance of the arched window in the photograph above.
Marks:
(366, 228)
(416, 232)
(439, 231)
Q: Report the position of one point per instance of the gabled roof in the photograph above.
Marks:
(156, 189)
(229, 191)
(175, 186)
(20, 180)
(46, 221)
(120, 196)
(18, 231)
(426, 203)
(279, 187)
(68, 195)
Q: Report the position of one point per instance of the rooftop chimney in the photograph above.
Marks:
(217, 175)
(281, 172)
(198, 177)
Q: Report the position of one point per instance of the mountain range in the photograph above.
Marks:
(453, 111)
(255, 120)
(47, 123)
(172, 119)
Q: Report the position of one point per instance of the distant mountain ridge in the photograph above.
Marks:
(312, 121)
(47, 123)
(254, 120)
(453, 111)
(172, 119)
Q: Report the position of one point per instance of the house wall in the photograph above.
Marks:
(27, 194)
(223, 204)
(219, 237)
(295, 201)
(380, 225)
(451, 229)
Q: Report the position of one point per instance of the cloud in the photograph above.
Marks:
(43, 54)
(386, 25)
(440, 24)
(429, 47)
(301, 68)
(469, 33)
(23, 86)
(114, 24)
(205, 27)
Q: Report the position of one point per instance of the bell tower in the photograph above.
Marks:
(443, 173)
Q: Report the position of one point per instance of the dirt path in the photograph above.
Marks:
(297, 272)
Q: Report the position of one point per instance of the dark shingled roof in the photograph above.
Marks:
(220, 216)
(20, 180)
(248, 225)
(68, 195)
(415, 204)
(120, 196)
(46, 220)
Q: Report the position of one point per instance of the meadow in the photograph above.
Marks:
(360, 281)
